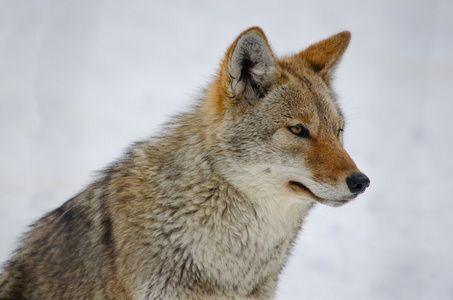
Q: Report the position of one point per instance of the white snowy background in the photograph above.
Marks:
(80, 80)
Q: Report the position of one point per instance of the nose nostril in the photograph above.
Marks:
(357, 183)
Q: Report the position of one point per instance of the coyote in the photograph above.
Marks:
(209, 208)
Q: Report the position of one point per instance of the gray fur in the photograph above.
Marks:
(252, 67)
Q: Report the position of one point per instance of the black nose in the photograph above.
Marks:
(357, 183)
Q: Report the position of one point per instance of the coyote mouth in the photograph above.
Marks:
(297, 187)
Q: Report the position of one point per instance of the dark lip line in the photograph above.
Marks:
(316, 198)
(306, 189)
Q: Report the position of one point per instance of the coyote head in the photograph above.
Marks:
(276, 125)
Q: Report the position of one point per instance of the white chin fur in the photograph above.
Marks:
(271, 182)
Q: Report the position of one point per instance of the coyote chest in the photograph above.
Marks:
(253, 244)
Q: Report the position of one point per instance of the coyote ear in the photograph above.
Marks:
(323, 55)
(250, 65)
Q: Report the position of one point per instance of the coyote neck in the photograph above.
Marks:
(212, 232)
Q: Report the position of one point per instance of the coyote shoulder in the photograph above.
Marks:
(210, 208)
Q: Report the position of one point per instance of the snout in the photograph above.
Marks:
(357, 183)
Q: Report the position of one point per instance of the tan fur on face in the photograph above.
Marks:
(308, 100)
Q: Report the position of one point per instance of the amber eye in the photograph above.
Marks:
(299, 130)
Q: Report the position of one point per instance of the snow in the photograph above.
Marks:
(80, 80)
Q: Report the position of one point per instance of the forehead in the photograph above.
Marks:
(308, 98)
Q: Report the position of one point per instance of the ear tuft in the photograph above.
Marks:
(325, 54)
(251, 65)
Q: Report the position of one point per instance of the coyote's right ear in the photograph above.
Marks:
(250, 66)
(324, 55)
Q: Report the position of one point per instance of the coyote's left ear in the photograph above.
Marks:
(323, 55)
(249, 66)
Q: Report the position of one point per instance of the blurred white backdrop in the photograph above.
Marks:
(80, 80)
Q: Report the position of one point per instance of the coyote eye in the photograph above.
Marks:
(299, 130)
(339, 132)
